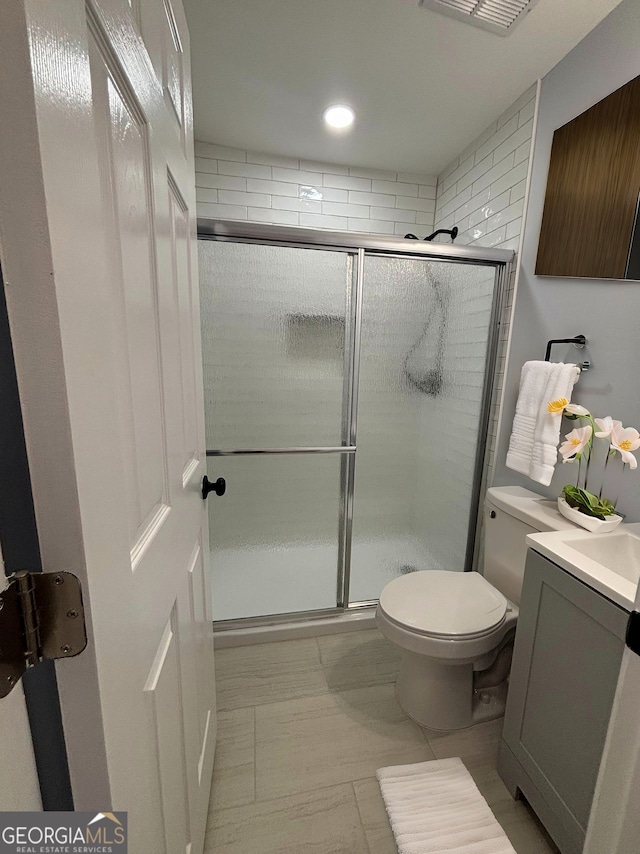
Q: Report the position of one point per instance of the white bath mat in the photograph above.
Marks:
(436, 808)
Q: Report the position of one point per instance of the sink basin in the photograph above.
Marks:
(619, 552)
(609, 563)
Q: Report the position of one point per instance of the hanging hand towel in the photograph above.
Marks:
(535, 433)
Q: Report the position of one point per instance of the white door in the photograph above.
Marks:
(97, 212)
(19, 789)
(18, 779)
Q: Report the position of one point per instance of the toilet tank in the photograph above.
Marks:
(510, 513)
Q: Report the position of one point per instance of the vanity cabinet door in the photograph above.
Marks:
(567, 657)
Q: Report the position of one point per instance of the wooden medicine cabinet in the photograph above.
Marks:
(590, 222)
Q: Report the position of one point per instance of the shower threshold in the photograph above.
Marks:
(280, 627)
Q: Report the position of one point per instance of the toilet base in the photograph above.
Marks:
(441, 696)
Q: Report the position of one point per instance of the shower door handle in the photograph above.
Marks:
(219, 486)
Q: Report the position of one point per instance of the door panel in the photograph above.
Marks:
(108, 356)
(274, 325)
(125, 176)
(181, 275)
(163, 690)
(275, 534)
(426, 327)
(173, 66)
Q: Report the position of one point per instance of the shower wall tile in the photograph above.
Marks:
(219, 182)
(402, 228)
(482, 192)
(346, 182)
(342, 209)
(205, 195)
(371, 226)
(243, 170)
(220, 152)
(273, 188)
(317, 221)
(409, 203)
(380, 199)
(378, 174)
(286, 191)
(217, 211)
(302, 205)
(394, 214)
(236, 197)
(275, 217)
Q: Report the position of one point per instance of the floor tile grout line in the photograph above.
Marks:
(255, 758)
(306, 696)
(300, 793)
(364, 829)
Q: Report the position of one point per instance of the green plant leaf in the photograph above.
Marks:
(588, 503)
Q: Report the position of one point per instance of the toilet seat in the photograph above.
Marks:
(444, 604)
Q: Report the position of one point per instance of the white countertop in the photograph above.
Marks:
(618, 580)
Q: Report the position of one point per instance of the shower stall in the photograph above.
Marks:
(347, 383)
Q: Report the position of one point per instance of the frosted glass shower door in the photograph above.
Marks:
(276, 327)
(273, 342)
(424, 340)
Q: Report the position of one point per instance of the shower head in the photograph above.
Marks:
(453, 232)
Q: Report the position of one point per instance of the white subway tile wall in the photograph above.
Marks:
(235, 184)
(482, 192)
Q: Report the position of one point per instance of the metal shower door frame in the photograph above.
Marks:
(360, 246)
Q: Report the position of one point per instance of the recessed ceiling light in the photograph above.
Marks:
(339, 116)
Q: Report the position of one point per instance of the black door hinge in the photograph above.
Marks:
(41, 617)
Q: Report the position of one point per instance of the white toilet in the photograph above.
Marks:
(456, 629)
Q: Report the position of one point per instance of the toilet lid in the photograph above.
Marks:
(444, 603)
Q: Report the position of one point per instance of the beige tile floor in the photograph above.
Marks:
(302, 727)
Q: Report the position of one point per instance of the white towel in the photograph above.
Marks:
(535, 433)
(436, 807)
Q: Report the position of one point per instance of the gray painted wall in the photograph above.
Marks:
(606, 311)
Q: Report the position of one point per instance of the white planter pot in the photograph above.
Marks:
(597, 526)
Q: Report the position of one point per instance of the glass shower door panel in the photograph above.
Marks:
(273, 338)
(425, 333)
(275, 533)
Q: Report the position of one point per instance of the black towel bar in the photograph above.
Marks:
(578, 341)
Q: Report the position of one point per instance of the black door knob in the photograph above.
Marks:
(219, 486)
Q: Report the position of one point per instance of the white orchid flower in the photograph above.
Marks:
(625, 440)
(576, 409)
(577, 440)
(606, 425)
(562, 406)
(556, 407)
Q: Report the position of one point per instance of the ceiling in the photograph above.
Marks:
(423, 85)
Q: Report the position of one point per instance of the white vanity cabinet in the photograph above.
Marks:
(567, 656)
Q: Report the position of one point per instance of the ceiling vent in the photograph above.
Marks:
(497, 16)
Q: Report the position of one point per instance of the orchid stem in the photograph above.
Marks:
(604, 472)
(590, 449)
(617, 498)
